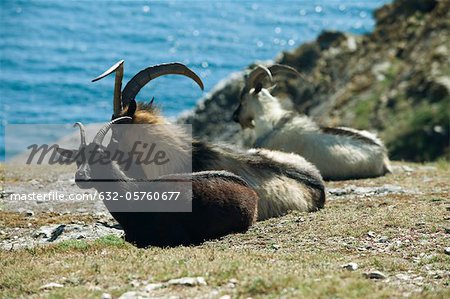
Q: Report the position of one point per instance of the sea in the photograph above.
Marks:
(50, 50)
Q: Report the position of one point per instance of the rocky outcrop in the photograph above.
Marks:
(212, 118)
(395, 81)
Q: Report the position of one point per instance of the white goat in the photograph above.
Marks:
(339, 153)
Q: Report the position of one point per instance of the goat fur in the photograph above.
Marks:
(222, 203)
(282, 181)
(339, 153)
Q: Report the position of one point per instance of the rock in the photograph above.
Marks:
(350, 266)
(368, 191)
(402, 276)
(49, 232)
(381, 69)
(29, 213)
(402, 9)
(135, 283)
(383, 239)
(304, 57)
(371, 234)
(106, 296)
(188, 281)
(406, 168)
(135, 295)
(327, 38)
(5, 194)
(56, 233)
(153, 286)
(225, 297)
(351, 43)
(34, 183)
(233, 281)
(447, 250)
(218, 102)
(51, 285)
(375, 275)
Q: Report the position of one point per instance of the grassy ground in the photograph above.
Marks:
(402, 235)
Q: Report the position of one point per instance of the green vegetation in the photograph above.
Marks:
(420, 133)
(364, 112)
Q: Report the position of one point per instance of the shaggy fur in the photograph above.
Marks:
(338, 153)
(222, 203)
(282, 181)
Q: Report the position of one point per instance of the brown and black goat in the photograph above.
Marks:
(222, 203)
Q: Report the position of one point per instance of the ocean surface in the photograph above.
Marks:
(50, 50)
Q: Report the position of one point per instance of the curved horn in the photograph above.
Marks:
(274, 70)
(143, 77)
(98, 139)
(257, 75)
(280, 68)
(82, 132)
(118, 68)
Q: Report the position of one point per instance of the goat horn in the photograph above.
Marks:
(274, 70)
(98, 139)
(257, 75)
(143, 77)
(118, 68)
(82, 132)
(280, 68)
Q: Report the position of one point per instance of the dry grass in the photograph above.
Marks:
(11, 219)
(298, 255)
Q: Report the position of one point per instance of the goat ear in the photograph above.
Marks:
(258, 88)
(271, 88)
(131, 109)
(68, 154)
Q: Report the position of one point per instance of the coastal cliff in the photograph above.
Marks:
(394, 81)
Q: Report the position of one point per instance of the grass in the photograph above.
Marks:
(417, 128)
(298, 255)
(364, 112)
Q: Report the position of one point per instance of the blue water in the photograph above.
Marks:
(50, 50)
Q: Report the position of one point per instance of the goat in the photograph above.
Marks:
(222, 203)
(339, 153)
(282, 181)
